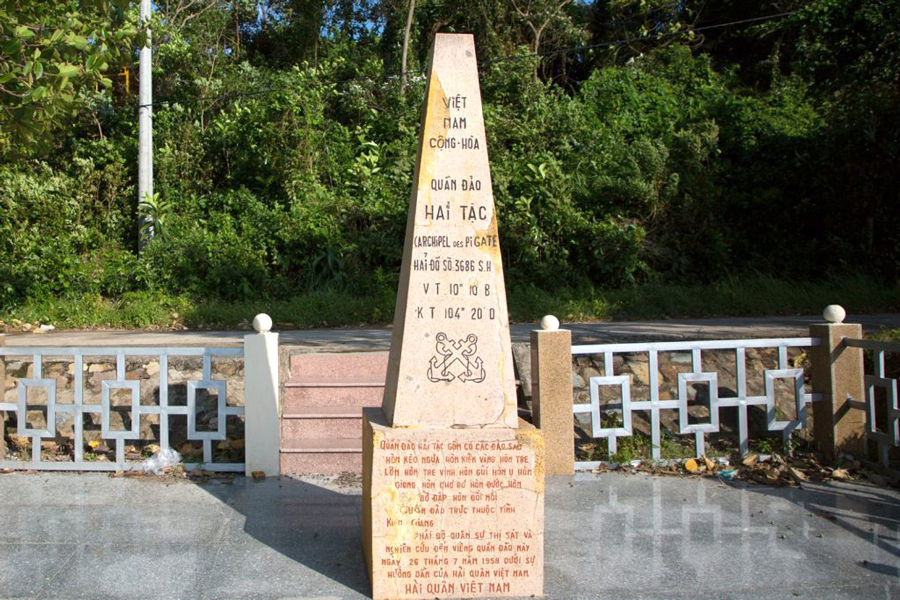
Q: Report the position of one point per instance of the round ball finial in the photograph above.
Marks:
(549, 323)
(834, 313)
(262, 323)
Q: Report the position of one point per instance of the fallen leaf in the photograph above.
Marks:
(237, 444)
(797, 475)
(710, 465)
(840, 474)
(258, 475)
(691, 466)
(21, 443)
(750, 460)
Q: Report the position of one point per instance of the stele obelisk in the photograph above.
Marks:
(453, 480)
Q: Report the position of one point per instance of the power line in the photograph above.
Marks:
(486, 63)
(646, 38)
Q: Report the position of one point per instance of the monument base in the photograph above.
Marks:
(452, 513)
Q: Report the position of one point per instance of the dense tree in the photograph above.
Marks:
(630, 141)
(52, 55)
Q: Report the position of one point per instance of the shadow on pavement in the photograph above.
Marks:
(315, 526)
(862, 509)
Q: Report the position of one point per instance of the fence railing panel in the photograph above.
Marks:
(654, 405)
(78, 408)
(890, 435)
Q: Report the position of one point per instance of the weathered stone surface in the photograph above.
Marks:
(452, 513)
(453, 503)
(640, 370)
(522, 360)
(839, 376)
(551, 354)
(450, 361)
(578, 381)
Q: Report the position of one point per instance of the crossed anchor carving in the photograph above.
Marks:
(469, 369)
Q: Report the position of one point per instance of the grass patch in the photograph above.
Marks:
(639, 447)
(747, 296)
(676, 446)
(134, 310)
(315, 309)
(757, 295)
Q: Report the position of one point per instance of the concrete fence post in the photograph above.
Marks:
(551, 389)
(261, 406)
(837, 373)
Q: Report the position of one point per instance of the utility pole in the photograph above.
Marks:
(409, 20)
(145, 122)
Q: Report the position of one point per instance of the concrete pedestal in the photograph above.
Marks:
(452, 513)
(838, 374)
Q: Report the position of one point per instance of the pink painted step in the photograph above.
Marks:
(338, 367)
(312, 457)
(321, 420)
(317, 422)
(359, 393)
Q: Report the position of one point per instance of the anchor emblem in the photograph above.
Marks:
(455, 360)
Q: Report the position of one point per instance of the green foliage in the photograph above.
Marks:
(683, 172)
(154, 213)
(331, 306)
(53, 54)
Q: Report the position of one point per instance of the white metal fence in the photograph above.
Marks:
(887, 433)
(78, 408)
(655, 405)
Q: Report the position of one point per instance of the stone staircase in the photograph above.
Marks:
(321, 413)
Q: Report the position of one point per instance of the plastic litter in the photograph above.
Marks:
(727, 475)
(160, 461)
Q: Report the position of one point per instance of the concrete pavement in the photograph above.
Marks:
(607, 536)
(342, 340)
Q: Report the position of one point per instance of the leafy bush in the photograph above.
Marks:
(276, 177)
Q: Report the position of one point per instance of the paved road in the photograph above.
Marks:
(608, 536)
(380, 338)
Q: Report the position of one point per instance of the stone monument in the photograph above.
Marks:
(453, 481)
